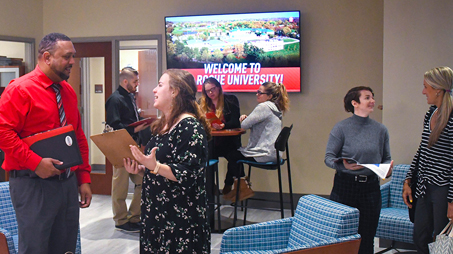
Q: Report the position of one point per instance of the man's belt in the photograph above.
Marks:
(32, 174)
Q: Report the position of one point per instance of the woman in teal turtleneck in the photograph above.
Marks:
(366, 141)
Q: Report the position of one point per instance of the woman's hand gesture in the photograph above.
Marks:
(351, 166)
(149, 161)
(218, 126)
(133, 167)
(390, 170)
(450, 211)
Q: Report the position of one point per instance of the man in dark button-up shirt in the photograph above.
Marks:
(121, 111)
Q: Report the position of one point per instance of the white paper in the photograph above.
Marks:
(379, 169)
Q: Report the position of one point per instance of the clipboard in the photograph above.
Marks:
(59, 143)
(115, 146)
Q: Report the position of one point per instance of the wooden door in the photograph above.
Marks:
(101, 183)
(147, 69)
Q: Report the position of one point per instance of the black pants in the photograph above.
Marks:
(223, 147)
(47, 214)
(430, 216)
(233, 167)
(365, 196)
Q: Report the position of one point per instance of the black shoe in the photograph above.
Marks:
(137, 225)
(129, 227)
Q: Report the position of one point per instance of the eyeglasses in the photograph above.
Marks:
(212, 90)
(260, 93)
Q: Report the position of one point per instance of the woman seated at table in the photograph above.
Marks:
(265, 123)
(224, 107)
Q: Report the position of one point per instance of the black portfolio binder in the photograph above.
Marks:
(60, 143)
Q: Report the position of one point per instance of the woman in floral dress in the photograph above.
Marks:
(173, 191)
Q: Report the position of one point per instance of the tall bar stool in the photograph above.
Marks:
(281, 145)
(214, 196)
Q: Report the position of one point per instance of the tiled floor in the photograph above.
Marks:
(99, 236)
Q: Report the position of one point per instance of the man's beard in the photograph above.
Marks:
(60, 74)
(130, 88)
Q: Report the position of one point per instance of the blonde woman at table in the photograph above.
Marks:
(225, 107)
(265, 123)
(174, 217)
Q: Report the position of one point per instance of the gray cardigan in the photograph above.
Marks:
(265, 123)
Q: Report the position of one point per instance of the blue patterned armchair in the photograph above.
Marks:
(8, 224)
(394, 222)
(317, 222)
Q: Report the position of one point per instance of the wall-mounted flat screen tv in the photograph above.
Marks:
(241, 50)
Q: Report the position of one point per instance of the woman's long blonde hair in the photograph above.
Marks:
(184, 83)
(441, 78)
(206, 103)
(279, 95)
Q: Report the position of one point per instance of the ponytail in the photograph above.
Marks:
(279, 95)
(441, 78)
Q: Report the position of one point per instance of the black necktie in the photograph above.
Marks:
(56, 88)
(135, 105)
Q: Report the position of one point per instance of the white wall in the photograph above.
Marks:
(21, 18)
(12, 49)
(129, 58)
(342, 43)
(385, 44)
(418, 36)
(97, 106)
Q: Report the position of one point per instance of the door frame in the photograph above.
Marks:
(116, 50)
(101, 183)
(29, 60)
(29, 50)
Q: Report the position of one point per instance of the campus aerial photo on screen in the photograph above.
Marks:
(270, 39)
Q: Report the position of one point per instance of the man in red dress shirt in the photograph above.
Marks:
(45, 199)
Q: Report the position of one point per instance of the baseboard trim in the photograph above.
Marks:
(256, 201)
(385, 243)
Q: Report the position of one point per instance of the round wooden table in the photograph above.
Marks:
(227, 132)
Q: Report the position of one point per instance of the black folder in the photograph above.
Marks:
(60, 143)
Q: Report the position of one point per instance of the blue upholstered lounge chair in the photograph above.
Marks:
(8, 223)
(318, 222)
(394, 222)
